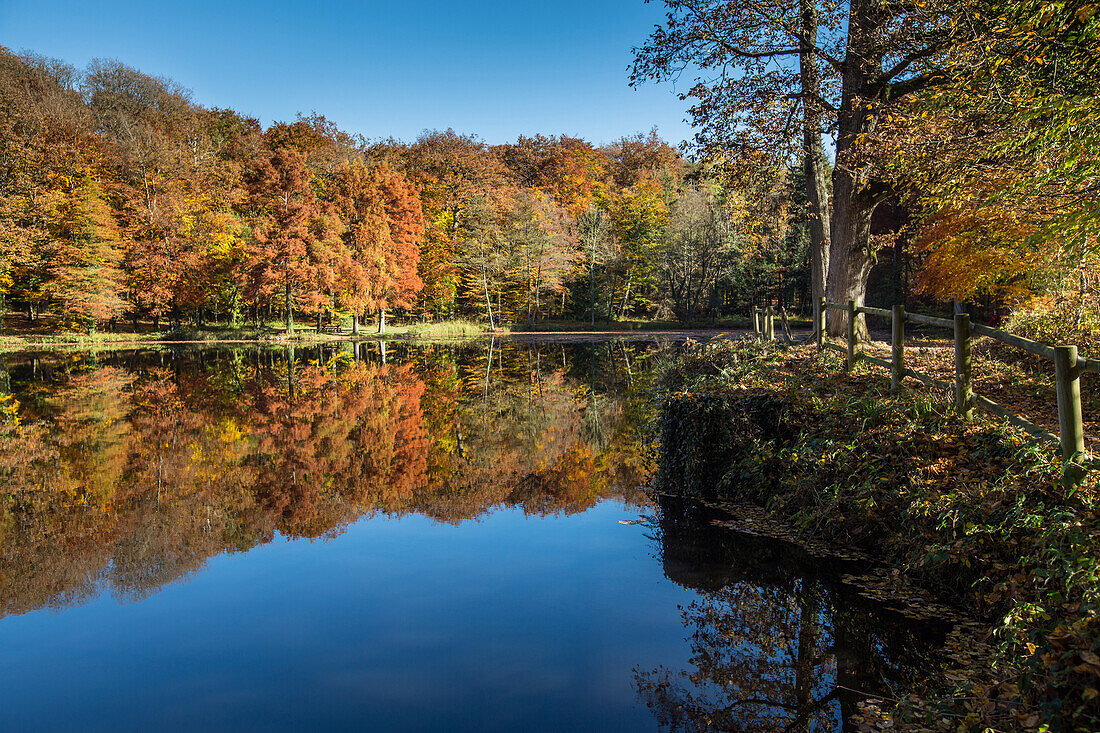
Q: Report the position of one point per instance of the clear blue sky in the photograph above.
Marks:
(497, 69)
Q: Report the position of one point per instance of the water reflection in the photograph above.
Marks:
(123, 471)
(777, 643)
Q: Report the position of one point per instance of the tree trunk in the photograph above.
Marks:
(354, 323)
(381, 320)
(813, 157)
(488, 302)
(626, 295)
(592, 285)
(850, 257)
(289, 312)
(850, 250)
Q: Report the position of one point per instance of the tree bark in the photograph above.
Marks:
(813, 156)
(381, 320)
(850, 257)
(850, 250)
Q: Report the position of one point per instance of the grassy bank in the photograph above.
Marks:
(56, 337)
(446, 329)
(969, 509)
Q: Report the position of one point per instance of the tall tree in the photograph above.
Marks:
(695, 251)
(638, 216)
(856, 60)
(461, 181)
(768, 65)
(385, 224)
(83, 255)
(284, 208)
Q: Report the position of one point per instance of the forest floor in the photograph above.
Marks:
(1019, 381)
(972, 511)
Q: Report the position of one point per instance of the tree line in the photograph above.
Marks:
(123, 200)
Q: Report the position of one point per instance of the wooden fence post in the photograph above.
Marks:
(964, 392)
(897, 348)
(1071, 432)
(851, 362)
(769, 325)
(821, 324)
(756, 319)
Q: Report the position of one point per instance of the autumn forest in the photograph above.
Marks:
(257, 472)
(124, 201)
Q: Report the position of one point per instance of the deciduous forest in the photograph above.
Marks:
(124, 202)
(939, 155)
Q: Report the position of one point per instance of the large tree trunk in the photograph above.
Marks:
(381, 320)
(851, 255)
(813, 157)
(354, 323)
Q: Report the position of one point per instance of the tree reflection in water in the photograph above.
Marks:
(121, 472)
(776, 643)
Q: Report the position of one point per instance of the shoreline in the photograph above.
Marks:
(965, 509)
(684, 334)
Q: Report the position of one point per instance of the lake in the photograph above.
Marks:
(396, 537)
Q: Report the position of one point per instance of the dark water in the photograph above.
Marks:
(265, 539)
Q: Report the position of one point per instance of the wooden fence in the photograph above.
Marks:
(1068, 368)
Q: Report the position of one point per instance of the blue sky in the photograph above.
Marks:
(497, 69)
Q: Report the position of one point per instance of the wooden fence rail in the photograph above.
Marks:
(1068, 368)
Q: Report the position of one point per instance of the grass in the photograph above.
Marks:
(446, 329)
(51, 335)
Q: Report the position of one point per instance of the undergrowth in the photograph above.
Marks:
(969, 508)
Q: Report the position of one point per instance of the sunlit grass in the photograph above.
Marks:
(446, 329)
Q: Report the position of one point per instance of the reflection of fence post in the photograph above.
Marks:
(897, 348)
(821, 324)
(1071, 432)
(964, 393)
(851, 336)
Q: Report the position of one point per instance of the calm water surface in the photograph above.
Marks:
(416, 538)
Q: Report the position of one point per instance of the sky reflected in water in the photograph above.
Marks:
(436, 538)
